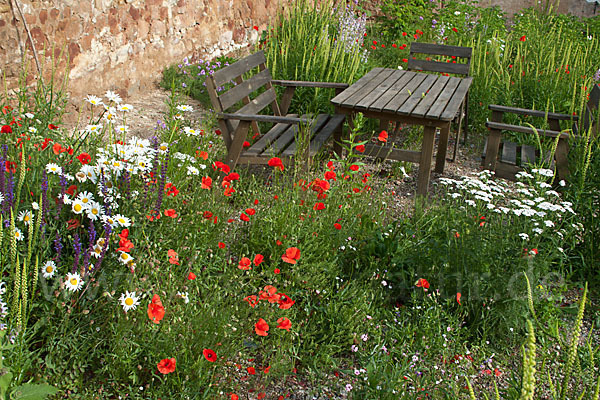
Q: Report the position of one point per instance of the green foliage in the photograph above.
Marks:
(308, 45)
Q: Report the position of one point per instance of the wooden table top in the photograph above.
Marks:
(408, 93)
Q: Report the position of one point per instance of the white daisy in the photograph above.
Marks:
(125, 107)
(124, 257)
(34, 205)
(81, 176)
(78, 206)
(85, 197)
(93, 128)
(122, 220)
(185, 107)
(73, 282)
(129, 301)
(112, 96)
(25, 217)
(107, 219)
(185, 296)
(190, 131)
(52, 168)
(94, 210)
(48, 269)
(18, 234)
(94, 100)
(191, 170)
(121, 128)
(32, 129)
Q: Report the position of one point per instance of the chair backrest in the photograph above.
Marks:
(457, 58)
(243, 90)
(590, 116)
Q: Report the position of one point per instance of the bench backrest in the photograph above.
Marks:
(458, 58)
(243, 89)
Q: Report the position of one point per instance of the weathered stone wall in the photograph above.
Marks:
(124, 44)
(580, 8)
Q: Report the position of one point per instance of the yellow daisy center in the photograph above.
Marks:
(124, 256)
(26, 218)
(85, 200)
(77, 207)
(73, 281)
(129, 301)
(94, 211)
(49, 269)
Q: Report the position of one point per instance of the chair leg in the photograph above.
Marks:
(237, 144)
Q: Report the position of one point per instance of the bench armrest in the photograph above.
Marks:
(534, 113)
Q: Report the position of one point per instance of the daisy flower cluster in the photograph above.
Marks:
(531, 199)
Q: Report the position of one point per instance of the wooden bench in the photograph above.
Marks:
(508, 158)
(457, 62)
(254, 89)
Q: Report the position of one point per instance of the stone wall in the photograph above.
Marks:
(580, 8)
(123, 45)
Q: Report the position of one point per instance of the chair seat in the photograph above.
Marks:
(282, 139)
(513, 158)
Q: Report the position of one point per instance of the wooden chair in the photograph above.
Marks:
(451, 65)
(507, 158)
(280, 140)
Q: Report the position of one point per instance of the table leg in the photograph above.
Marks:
(440, 160)
(425, 161)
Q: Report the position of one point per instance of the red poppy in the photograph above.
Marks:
(234, 397)
(319, 206)
(84, 158)
(276, 271)
(422, 282)
(52, 126)
(267, 369)
(291, 256)
(206, 182)
(166, 366)
(330, 165)
(125, 245)
(284, 323)
(73, 224)
(255, 27)
(156, 312)
(251, 370)
(250, 211)
(209, 355)
(191, 276)
(221, 245)
(261, 327)
(458, 296)
(71, 190)
(252, 300)
(354, 167)
(455, 30)
(258, 259)
(57, 149)
(244, 264)
(6, 129)
(276, 162)
(383, 136)
(337, 226)
(173, 257)
(234, 176)
(228, 191)
(330, 175)
(285, 302)
(522, 39)
(261, 395)
(246, 143)
(170, 213)
(221, 166)
(360, 148)
(244, 217)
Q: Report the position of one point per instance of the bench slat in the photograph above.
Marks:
(238, 92)
(238, 68)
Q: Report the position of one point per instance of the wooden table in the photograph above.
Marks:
(412, 98)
